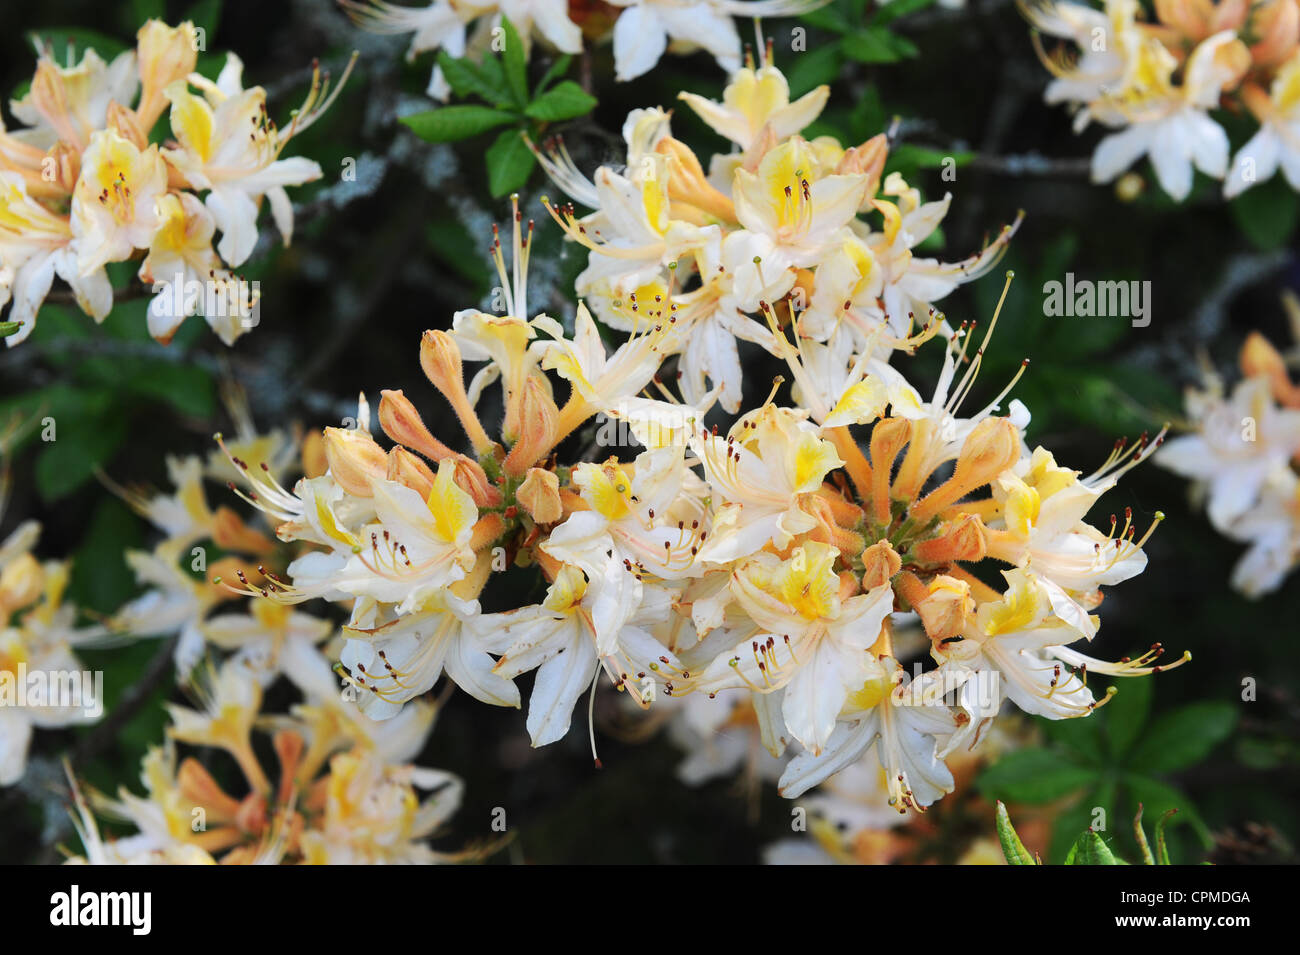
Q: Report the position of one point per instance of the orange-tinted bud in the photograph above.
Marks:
(539, 496)
(355, 460)
(402, 423)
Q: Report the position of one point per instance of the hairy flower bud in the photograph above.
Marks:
(402, 423)
(538, 426)
(1259, 359)
(539, 496)
(165, 54)
(866, 160)
(405, 468)
(944, 609)
(440, 359)
(231, 533)
(960, 539)
(992, 446)
(355, 460)
(880, 562)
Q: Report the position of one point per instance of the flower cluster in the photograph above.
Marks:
(641, 30)
(343, 796)
(42, 684)
(1242, 457)
(1157, 83)
(85, 183)
(765, 559)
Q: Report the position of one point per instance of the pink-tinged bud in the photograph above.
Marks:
(473, 480)
(231, 533)
(164, 55)
(880, 562)
(1189, 19)
(848, 584)
(866, 160)
(1259, 359)
(402, 423)
(539, 496)
(440, 359)
(538, 427)
(355, 460)
(960, 539)
(992, 446)
(1276, 27)
(122, 121)
(405, 468)
(198, 787)
(289, 747)
(67, 165)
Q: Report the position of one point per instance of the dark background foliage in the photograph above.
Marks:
(377, 260)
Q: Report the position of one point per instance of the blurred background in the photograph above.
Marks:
(379, 257)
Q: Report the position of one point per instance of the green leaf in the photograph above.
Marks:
(814, 68)
(553, 72)
(1034, 775)
(1012, 847)
(898, 8)
(509, 161)
(1267, 213)
(516, 67)
(82, 443)
(877, 45)
(1081, 735)
(1091, 849)
(467, 78)
(1183, 737)
(566, 101)
(8, 328)
(870, 46)
(1126, 714)
(451, 123)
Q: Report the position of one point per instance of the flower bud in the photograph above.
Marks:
(960, 539)
(355, 460)
(688, 183)
(122, 121)
(473, 480)
(164, 54)
(21, 584)
(229, 532)
(538, 426)
(405, 468)
(539, 496)
(888, 437)
(1259, 359)
(880, 562)
(866, 160)
(314, 463)
(402, 423)
(992, 446)
(944, 610)
(1276, 29)
(440, 359)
